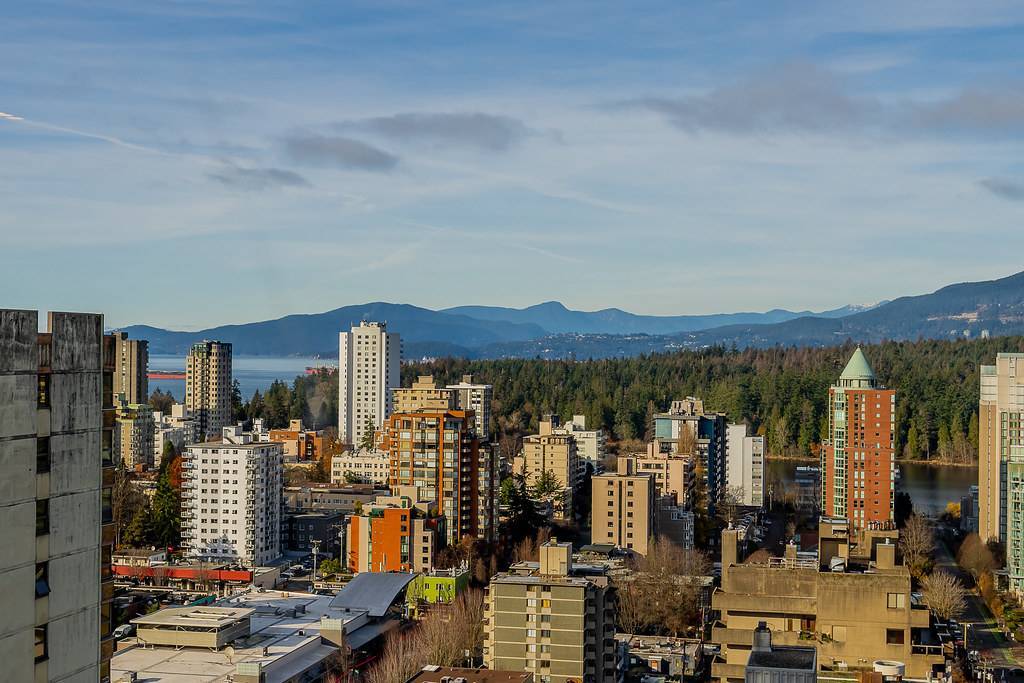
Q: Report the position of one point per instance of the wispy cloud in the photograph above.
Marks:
(339, 152)
(804, 97)
(1004, 188)
(258, 179)
(477, 130)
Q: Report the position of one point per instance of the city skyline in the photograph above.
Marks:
(549, 151)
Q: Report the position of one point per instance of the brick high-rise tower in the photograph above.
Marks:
(857, 460)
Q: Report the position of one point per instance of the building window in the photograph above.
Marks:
(896, 600)
(107, 506)
(42, 517)
(43, 396)
(41, 643)
(42, 454)
(839, 634)
(894, 636)
(42, 579)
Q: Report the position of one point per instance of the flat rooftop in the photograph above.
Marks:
(433, 674)
(292, 639)
(198, 617)
(800, 658)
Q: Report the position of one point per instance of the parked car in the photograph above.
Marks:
(123, 631)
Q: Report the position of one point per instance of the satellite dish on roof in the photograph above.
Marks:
(229, 652)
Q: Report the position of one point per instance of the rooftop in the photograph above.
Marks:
(199, 617)
(784, 658)
(287, 624)
(372, 591)
(433, 674)
(858, 367)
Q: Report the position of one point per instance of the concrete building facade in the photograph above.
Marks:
(1001, 460)
(56, 475)
(852, 604)
(424, 394)
(133, 436)
(231, 502)
(470, 395)
(178, 428)
(298, 443)
(208, 386)
(590, 443)
(687, 429)
(545, 619)
(858, 467)
(551, 450)
(369, 368)
(361, 467)
(623, 508)
(395, 534)
(131, 368)
(745, 465)
(674, 475)
(438, 452)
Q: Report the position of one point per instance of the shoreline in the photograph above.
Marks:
(899, 461)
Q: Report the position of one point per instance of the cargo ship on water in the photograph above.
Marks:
(165, 374)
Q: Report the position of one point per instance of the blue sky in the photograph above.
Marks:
(186, 164)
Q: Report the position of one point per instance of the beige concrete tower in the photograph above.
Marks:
(208, 386)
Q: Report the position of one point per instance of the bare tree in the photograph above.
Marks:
(730, 503)
(398, 662)
(633, 608)
(668, 585)
(945, 595)
(917, 544)
(976, 557)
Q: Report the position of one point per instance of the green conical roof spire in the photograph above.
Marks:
(858, 368)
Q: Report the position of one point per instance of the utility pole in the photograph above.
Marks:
(316, 551)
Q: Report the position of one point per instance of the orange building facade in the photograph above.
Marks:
(438, 452)
(394, 535)
(299, 443)
(858, 470)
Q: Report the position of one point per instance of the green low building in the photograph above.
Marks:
(438, 586)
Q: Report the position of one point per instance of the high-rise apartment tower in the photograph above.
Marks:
(858, 471)
(369, 367)
(56, 469)
(208, 386)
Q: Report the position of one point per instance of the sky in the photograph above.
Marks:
(187, 164)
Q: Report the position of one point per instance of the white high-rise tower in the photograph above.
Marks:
(369, 367)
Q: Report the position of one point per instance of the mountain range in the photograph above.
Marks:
(551, 330)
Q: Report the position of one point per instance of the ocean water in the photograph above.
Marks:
(252, 372)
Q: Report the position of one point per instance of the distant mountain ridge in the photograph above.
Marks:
(555, 318)
(551, 330)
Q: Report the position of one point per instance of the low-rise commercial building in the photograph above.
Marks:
(438, 586)
(259, 636)
(852, 604)
(360, 467)
(447, 674)
(568, 632)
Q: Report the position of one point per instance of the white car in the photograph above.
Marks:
(123, 631)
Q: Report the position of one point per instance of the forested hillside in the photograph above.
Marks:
(781, 393)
